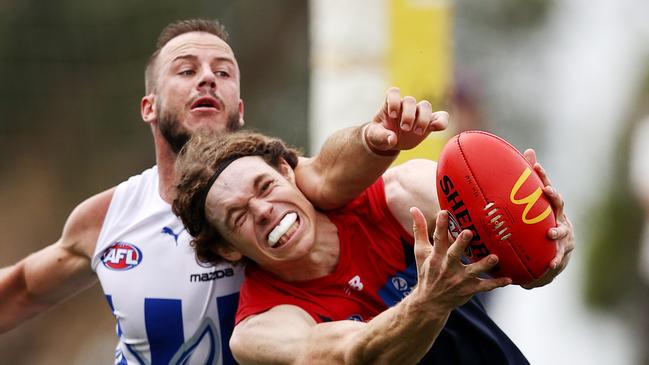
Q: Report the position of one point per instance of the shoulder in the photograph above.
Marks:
(410, 175)
(82, 227)
(412, 183)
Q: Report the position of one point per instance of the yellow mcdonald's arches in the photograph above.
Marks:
(529, 200)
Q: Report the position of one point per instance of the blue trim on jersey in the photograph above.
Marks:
(137, 356)
(122, 361)
(109, 298)
(163, 319)
(227, 306)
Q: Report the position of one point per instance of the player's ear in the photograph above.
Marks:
(147, 108)
(286, 170)
(229, 253)
(241, 122)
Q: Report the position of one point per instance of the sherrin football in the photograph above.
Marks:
(488, 187)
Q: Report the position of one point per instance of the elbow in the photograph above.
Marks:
(237, 348)
(17, 304)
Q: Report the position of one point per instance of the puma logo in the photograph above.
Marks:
(169, 231)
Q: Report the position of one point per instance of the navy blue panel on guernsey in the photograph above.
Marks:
(164, 328)
(471, 337)
(227, 309)
(400, 285)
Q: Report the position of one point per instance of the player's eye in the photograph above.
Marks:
(266, 186)
(186, 72)
(222, 73)
(239, 219)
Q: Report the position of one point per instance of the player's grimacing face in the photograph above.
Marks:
(261, 212)
(197, 87)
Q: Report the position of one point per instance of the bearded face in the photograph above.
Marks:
(177, 134)
(196, 89)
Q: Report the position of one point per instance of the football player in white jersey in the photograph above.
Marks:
(170, 309)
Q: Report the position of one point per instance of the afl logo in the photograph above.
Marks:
(121, 256)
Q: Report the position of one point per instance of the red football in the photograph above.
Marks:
(488, 187)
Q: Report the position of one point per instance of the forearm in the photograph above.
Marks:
(288, 335)
(400, 335)
(16, 306)
(344, 168)
(40, 281)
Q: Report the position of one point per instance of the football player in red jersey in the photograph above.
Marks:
(357, 284)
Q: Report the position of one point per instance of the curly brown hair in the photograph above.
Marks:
(196, 165)
(172, 31)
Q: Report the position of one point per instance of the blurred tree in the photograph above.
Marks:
(612, 276)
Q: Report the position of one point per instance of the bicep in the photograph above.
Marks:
(55, 273)
(412, 184)
(63, 268)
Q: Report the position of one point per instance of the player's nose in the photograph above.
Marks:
(207, 79)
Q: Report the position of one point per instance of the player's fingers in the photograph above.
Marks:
(560, 232)
(440, 235)
(393, 102)
(530, 156)
(419, 226)
(558, 257)
(556, 200)
(439, 121)
(485, 264)
(408, 112)
(379, 138)
(456, 250)
(491, 284)
(423, 117)
(423, 248)
(540, 171)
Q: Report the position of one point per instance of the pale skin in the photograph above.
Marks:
(191, 66)
(245, 211)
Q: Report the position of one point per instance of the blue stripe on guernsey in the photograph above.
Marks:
(164, 327)
(109, 298)
(227, 309)
(402, 282)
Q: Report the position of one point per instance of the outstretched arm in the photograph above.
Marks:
(353, 158)
(56, 272)
(400, 335)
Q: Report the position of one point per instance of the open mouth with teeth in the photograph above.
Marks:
(284, 230)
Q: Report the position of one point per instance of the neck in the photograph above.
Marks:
(165, 159)
(321, 261)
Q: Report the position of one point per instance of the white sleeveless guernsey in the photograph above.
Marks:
(169, 309)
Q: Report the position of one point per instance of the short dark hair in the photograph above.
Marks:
(195, 166)
(172, 31)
